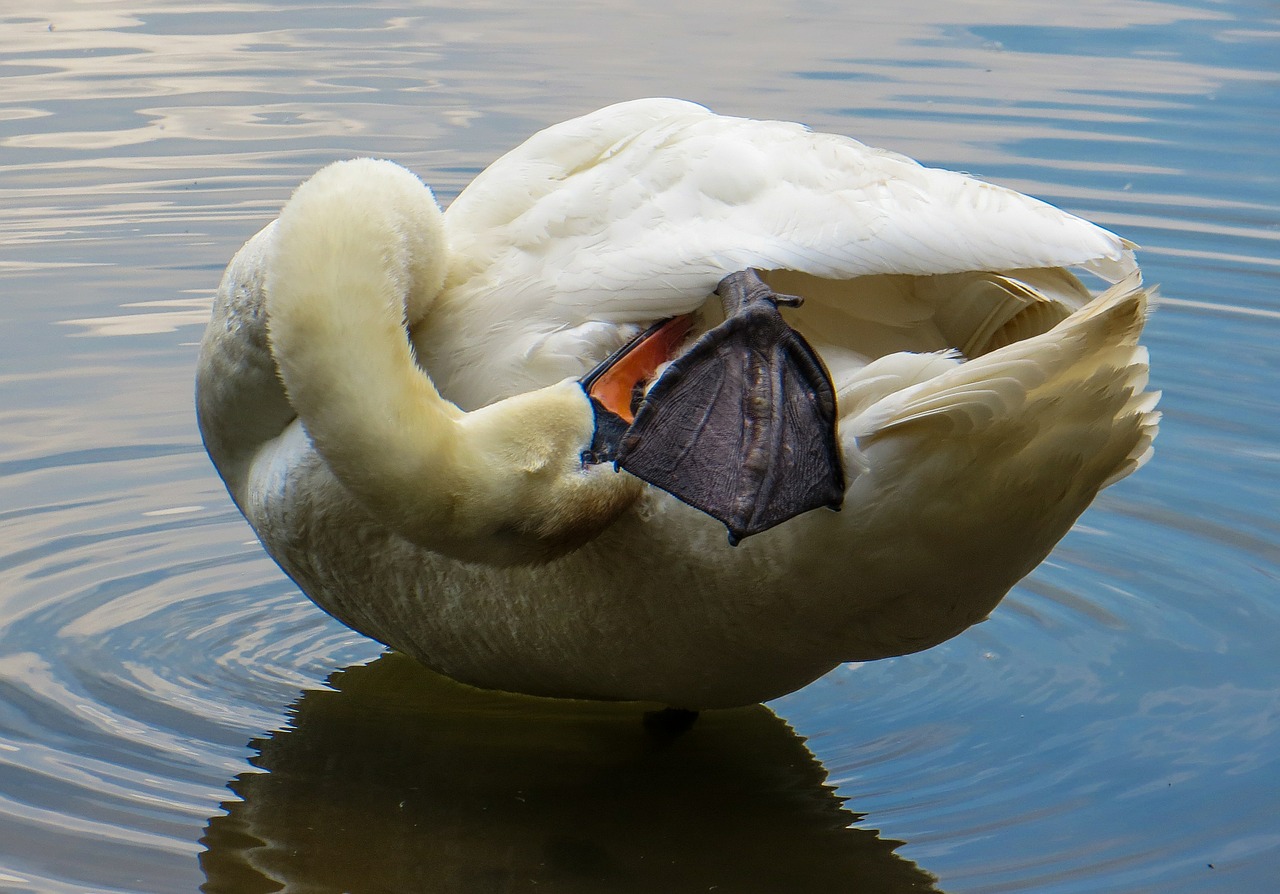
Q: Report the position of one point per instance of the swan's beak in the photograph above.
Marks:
(742, 426)
(617, 385)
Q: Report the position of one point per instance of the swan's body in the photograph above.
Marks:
(443, 508)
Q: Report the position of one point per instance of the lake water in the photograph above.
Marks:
(173, 713)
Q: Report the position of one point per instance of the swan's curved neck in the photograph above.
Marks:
(359, 253)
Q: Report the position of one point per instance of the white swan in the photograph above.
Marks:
(429, 490)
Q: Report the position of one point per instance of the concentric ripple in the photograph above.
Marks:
(139, 652)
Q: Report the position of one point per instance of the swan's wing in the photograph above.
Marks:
(636, 212)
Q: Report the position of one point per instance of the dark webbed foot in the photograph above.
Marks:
(742, 426)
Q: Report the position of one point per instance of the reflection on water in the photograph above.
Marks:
(1113, 728)
(401, 780)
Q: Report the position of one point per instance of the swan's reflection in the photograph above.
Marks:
(401, 780)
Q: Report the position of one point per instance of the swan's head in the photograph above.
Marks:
(359, 254)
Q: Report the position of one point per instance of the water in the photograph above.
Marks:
(1114, 727)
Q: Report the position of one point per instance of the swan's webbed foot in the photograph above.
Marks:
(743, 425)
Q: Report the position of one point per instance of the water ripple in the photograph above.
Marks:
(136, 661)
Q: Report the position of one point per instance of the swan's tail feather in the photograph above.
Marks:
(1141, 406)
(1074, 396)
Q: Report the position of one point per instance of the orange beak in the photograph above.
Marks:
(616, 383)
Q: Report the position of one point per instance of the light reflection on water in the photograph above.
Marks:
(1113, 727)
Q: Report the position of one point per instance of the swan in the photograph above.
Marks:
(394, 397)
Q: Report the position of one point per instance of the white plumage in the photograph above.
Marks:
(434, 498)
(637, 211)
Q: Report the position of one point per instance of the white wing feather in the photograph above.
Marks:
(654, 199)
(635, 212)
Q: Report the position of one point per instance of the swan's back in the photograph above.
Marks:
(636, 212)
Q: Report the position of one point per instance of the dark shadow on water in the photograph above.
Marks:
(403, 781)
